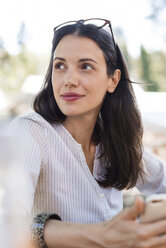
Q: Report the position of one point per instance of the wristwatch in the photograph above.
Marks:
(37, 228)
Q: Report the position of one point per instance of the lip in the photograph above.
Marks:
(71, 96)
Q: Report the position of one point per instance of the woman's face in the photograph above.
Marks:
(79, 76)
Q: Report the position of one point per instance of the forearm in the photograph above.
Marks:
(58, 234)
(121, 231)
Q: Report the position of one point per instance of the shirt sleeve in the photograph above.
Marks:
(154, 177)
(30, 154)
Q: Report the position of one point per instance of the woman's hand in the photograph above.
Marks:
(124, 231)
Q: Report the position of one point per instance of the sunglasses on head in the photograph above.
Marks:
(99, 22)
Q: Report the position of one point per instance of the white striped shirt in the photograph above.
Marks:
(58, 179)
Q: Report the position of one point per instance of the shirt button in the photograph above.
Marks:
(102, 195)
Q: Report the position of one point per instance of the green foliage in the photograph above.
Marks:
(15, 68)
(150, 69)
(158, 66)
(146, 73)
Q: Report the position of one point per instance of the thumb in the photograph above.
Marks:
(133, 212)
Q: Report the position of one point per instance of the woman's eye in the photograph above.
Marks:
(87, 67)
(60, 66)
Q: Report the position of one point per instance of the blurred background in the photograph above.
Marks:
(26, 30)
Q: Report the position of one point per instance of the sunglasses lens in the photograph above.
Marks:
(95, 22)
(102, 23)
(99, 23)
(64, 25)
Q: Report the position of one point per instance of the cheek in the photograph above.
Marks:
(99, 87)
(99, 91)
(56, 85)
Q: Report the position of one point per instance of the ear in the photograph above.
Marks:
(114, 80)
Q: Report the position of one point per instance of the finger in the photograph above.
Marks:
(157, 228)
(133, 212)
(156, 242)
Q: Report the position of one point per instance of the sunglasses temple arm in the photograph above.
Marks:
(112, 35)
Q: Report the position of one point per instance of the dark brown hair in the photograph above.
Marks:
(118, 127)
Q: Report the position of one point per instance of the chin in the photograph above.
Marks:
(72, 113)
(69, 114)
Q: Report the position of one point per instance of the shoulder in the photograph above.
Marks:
(31, 122)
(31, 128)
(34, 127)
(153, 165)
(30, 133)
(151, 160)
(31, 118)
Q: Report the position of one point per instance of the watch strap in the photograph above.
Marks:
(37, 228)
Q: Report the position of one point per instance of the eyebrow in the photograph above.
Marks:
(80, 60)
(87, 59)
(59, 58)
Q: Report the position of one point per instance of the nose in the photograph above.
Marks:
(71, 78)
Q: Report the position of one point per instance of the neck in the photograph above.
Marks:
(81, 130)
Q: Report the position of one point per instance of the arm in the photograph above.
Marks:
(155, 175)
(27, 159)
(122, 231)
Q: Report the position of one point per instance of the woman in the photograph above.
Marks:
(84, 145)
